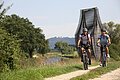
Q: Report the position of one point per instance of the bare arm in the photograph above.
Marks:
(109, 41)
(98, 41)
(89, 40)
(78, 44)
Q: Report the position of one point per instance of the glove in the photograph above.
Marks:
(98, 44)
(108, 44)
(88, 45)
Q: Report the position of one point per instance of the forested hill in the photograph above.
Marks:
(52, 41)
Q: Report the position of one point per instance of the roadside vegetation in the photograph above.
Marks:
(20, 40)
(43, 71)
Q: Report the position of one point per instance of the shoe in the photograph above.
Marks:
(100, 64)
(108, 56)
(81, 60)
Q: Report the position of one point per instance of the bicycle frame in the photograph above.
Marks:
(85, 59)
(103, 55)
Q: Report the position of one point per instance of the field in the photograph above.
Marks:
(41, 71)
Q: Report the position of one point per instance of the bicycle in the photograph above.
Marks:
(103, 55)
(85, 59)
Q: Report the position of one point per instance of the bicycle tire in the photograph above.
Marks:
(85, 62)
(104, 58)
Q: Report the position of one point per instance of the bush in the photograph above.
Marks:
(9, 51)
(114, 51)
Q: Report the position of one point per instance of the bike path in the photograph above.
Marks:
(70, 75)
(113, 75)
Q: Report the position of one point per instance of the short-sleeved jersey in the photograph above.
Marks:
(103, 39)
(84, 38)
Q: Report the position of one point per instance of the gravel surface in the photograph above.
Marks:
(113, 75)
(71, 74)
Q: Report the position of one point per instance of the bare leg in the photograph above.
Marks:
(89, 56)
(107, 51)
(89, 53)
(82, 51)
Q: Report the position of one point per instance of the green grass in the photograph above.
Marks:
(44, 71)
(21, 75)
(98, 71)
(75, 54)
(38, 73)
(49, 71)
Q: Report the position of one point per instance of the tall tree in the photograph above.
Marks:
(31, 38)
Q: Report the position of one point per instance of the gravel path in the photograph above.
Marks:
(71, 74)
(113, 75)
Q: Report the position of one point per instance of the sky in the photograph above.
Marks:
(59, 18)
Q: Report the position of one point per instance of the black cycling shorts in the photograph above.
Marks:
(85, 46)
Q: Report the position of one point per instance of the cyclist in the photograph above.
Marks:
(85, 42)
(104, 39)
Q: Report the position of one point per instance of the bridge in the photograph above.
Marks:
(90, 19)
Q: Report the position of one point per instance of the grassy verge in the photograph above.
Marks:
(21, 75)
(98, 71)
(43, 71)
(53, 70)
(38, 73)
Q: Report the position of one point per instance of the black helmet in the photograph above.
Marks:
(85, 30)
(103, 30)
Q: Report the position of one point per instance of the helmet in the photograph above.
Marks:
(85, 30)
(106, 32)
(103, 30)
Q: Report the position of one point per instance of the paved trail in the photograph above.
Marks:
(71, 74)
(113, 75)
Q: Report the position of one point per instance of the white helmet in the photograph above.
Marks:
(85, 30)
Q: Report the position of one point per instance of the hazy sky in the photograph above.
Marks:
(60, 17)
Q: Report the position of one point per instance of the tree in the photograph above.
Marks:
(64, 48)
(115, 36)
(3, 10)
(31, 38)
(113, 30)
(9, 51)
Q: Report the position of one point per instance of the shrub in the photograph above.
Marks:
(9, 51)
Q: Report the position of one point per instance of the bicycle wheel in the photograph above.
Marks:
(104, 58)
(85, 62)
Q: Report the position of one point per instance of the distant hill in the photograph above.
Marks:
(52, 41)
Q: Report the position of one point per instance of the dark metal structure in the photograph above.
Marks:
(90, 19)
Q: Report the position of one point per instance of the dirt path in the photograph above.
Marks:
(71, 74)
(113, 75)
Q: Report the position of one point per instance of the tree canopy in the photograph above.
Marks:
(64, 48)
(31, 38)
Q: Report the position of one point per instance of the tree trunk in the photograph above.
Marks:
(31, 53)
